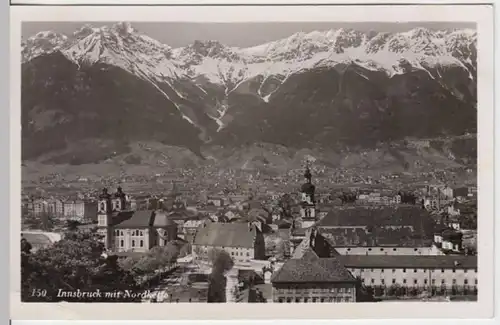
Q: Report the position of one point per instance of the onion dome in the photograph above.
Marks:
(104, 194)
(119, 193)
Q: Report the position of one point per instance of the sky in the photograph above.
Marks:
(178, 34)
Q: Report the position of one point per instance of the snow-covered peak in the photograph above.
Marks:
(124, 46)
(42, 43)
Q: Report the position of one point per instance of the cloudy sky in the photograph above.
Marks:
(233, 34)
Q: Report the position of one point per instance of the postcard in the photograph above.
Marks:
(290, 161)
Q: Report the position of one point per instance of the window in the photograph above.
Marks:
(454, 270)
(466, 282)
(288, 300)
(442, 270)
(306, 299)
(404, 270)
(475, 270)
(433, 281)
(142, 243)
(280, 300)
(322, 299)
(248, 254)
(381, 249)
(370, 249)
(465, 270)
(393, 281)
(475, 281)
(372, 270)
(133, 243)
(415, 271)
(232, 253)
(393, 249)
(361, 270)
(141, 233)
(382, 270)
(425, 281)
(404, 281)
(442, 281)
(121, 232)
(121, 243)
(454, 281)
(314, 299)
(373, 280)
(382, 281)
(393, 270)
(415, 281)
(297, 299)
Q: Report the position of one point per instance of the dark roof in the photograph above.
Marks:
(374, 216)
(310, 268)
(226, 235)
(139, 219)
(408, 261)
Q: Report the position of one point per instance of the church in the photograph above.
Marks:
(125, 230)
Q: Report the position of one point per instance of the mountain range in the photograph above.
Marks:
(325, 90)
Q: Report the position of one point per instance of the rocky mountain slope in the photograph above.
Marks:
(332, 89)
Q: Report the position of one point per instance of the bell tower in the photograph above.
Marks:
(104, 215)
(308, 203)
(119, 200)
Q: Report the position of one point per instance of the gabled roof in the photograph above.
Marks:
(226, 235)
(374, 216)
(312, 269)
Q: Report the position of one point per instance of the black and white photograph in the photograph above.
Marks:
(318, 162)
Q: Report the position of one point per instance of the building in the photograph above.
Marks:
(242, 241)
(79, 210)
(435, 274)
(311, 279)
(126, 230)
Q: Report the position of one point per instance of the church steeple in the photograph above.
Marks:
(308, 204)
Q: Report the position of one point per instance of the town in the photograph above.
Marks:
(286, 239)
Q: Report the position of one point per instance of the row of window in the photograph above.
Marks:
(382, 249)
(415, 281)
(134, 233)
(239, 254)
(316, 289)
(314, 299)
(414, 270)
(141, 243)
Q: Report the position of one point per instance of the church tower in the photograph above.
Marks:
(308, 203)
(119, 200)
(104, 215)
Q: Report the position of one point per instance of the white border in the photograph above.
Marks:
(482, 15)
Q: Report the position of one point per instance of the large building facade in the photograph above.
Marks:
(311, 279)
(242, 241)
(125, 230)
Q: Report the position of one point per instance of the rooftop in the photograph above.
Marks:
(226, 235)
(138, 219)
(310, 268)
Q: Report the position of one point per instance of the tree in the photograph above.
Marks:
(220, 260)
(72, 225)
(74, 263)
(221, 263)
